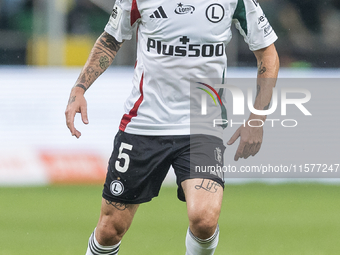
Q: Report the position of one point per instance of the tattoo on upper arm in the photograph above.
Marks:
(262, 69)
(71, 100)
(208, 185)
(118, 206)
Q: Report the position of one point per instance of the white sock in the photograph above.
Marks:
(94, 248)
(197, 246)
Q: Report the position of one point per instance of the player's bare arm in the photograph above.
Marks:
(251, 137)
(101, 57)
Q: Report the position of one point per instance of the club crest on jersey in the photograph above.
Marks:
(184, 9)
(215, 13)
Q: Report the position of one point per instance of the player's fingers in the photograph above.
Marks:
(83, 112)
(70, 120)
(237, 156)
(256, 149)
(77, 134)
(239, 151)
(70, 123)
(248, 150)
(234, 137)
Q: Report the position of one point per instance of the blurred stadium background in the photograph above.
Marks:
(50, 183)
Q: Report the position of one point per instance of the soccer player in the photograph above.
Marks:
(177, 43)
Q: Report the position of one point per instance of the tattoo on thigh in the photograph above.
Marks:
(208, 185)
(118, 206)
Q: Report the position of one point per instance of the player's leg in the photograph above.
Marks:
(202, 190)
(115, 219)
(137, 168)
(204, 200)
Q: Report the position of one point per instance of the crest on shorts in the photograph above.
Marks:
(218, 155)
(116, 188)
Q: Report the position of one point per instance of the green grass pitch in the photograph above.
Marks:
(294, 219)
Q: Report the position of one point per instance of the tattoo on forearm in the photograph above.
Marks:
(83, 78)
(257, 93)
(110, 42)
(71, 100)
(118, 206)
(100, 59)
(101, 51)
(107, 45)
(88, 74)
(81, 86)
(258, 89)
(266, 107)
(208, 185)
(86, 78)
(262, 69)
(104, 62)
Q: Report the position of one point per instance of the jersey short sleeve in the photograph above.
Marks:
(253, 25)
(124, 17)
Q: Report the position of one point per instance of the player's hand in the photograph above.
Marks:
(250, 141)
(76, 104)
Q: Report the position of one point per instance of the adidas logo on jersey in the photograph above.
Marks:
(159, 13)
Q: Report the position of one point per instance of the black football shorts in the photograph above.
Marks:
(139, 164)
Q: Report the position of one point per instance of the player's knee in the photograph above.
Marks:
(203, 225)
(110, 232)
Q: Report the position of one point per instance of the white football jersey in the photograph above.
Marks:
(179, 42)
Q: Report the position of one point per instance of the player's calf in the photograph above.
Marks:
(115, 219)
(95, 248)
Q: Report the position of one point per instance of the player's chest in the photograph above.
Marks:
(192, 16)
